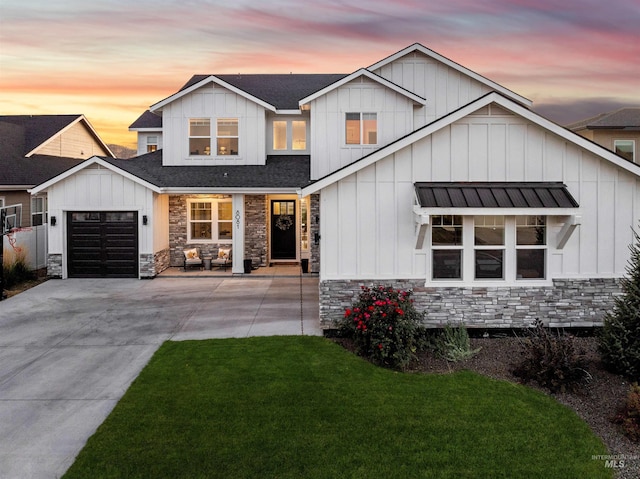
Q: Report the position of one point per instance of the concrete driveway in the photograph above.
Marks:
(70, 349)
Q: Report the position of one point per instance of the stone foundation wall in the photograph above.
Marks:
(54, 266)
(568, 303)
(255, 233)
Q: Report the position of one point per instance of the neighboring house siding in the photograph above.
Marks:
(75, 142)
(98, 189)
(444, 88)
(329, 152)
(607, 138)
(16, 198)
(213, 102)
(367, 224)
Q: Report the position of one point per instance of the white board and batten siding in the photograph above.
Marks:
(213, 102)
(329, 151)
(368, 231)
(444, 88)
(99, 189)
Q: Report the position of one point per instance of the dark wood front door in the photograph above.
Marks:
(283, 229)
(102, 244)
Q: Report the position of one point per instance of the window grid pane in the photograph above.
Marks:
(530, 264)
(299, 135)
(489, 264)
(447, 264)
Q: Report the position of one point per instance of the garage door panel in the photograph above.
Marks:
(102, 244)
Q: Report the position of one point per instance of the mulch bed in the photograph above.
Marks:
(596, 403)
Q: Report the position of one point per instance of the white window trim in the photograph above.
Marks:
(360, 144)
(634, 158)
(2, 202)
(468, 258)
(214, 221)
(189, 136)
(43, 212)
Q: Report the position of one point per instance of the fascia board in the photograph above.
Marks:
(456, 66)
(371, 76)
(210, 79)
(94, 160)
(189, 190)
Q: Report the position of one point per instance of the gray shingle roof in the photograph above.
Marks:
(494, 195)
(35, 129)
(279, 172)
(281, 91)
(623, 119)
(147, 120)
(33, 170)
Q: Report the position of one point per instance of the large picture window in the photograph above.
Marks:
(210, 221)
(361, 128)
(446, 242)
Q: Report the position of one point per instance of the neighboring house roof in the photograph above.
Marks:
(417, 47)
(494, 195)
(38, 130)
(371, 76)
(23, 173)
(622, 119)
(492, 97)
(279, 173)
(147, 121)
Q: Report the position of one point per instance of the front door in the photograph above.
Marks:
(283, 229)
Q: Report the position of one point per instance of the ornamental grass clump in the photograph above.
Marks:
(384, 325)
(454, 344)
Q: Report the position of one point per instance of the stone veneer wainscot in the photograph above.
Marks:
(568, 303)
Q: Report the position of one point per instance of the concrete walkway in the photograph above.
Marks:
(70, 349)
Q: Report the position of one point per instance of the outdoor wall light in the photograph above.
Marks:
(53, 221)
(316, 238)
(144, 220)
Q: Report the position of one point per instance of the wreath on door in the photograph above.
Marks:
(284, 222)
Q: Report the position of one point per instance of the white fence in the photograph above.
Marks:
(31, 242)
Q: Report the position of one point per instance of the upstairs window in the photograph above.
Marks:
(279, 135)
(361, 128)
(152, 143)
(289, 135)
(227, 136)
(625, 148)
(299, 135)
(199, 136)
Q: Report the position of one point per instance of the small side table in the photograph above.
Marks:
(207, 263)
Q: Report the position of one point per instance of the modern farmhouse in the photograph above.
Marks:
(414, 172)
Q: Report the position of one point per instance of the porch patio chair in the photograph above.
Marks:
(224, 258)
(192, 258)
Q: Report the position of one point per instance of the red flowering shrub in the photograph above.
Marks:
(384, 325)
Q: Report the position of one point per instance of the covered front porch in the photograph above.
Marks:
(275, 270)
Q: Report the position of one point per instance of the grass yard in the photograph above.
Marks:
(303, 407)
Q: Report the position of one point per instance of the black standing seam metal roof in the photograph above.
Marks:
(494, 195)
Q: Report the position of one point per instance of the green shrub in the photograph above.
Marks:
(629, 416)
(453, 344)
(553, 361)
(384, 325)
(619, 341)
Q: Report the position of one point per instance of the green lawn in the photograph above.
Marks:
(302, 407)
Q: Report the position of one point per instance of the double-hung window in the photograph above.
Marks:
(227, 136)
(625, 148)
(289, 138)
(361, 128)
(489, 247)
(446, 244)
(210, 221)
(38, 211)
(152, 143)
(531, 241)
(199, 136)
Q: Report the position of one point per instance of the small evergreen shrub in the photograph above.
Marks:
(453, 344)
(552, 361)
(384, 325)
(619, 341)
(629, 416)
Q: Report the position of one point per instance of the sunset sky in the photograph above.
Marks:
(112, 59)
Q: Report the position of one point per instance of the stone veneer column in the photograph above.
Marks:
(255, 235)
(314, 227)
(54, 266)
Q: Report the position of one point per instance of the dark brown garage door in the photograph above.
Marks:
(102, 244)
